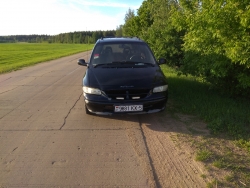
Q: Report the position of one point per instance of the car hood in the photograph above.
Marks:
(146, 77)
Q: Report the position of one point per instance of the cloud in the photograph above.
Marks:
(105, 4)
(59, 16)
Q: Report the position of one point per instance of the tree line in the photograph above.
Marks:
(205, 38)
(81, 37)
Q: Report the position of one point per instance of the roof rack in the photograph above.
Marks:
(136, 38)
(108, 37)
(120, 37)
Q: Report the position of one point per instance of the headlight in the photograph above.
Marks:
(160, 89)
(93, 91)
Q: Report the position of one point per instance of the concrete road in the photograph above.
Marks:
(47, 140)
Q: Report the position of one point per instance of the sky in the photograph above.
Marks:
(52, 17)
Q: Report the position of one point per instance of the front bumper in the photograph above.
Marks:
(108, 107)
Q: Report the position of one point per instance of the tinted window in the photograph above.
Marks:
(121, 52)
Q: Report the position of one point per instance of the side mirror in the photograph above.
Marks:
(82, 62)
(162, 61)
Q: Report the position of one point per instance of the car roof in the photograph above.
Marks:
(119, 40)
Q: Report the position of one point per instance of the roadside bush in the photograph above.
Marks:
(205, 38)
(217, 45)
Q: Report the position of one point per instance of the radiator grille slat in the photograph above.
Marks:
(127, 94)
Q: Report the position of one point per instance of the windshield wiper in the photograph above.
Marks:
(100, 64)
(114, 63)
(134, 63)
(143, 63)
(107, 64)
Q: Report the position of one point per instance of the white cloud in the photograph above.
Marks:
(57, 16)
(105, 4)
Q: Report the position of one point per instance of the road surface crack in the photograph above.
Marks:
(5, 79)
(65, 119)
(9, 90)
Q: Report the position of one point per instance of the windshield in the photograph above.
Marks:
(122, 53)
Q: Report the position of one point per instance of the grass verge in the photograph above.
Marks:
(222, 114)
(14, 56)
(226, 150)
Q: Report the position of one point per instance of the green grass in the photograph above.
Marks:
(220, 163)
(14, 56)
(203, 155)
(222, 113)
(228, 120)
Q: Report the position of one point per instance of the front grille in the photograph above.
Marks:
(127, 94)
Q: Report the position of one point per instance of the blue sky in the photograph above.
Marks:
(51, 17)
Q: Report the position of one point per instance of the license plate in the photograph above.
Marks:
(129, 108)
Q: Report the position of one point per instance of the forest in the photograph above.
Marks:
(80, 37)
(209, 39)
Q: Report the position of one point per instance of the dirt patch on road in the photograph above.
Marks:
(173, 165)
(184, 153)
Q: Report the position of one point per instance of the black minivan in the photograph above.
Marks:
(123, 76)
